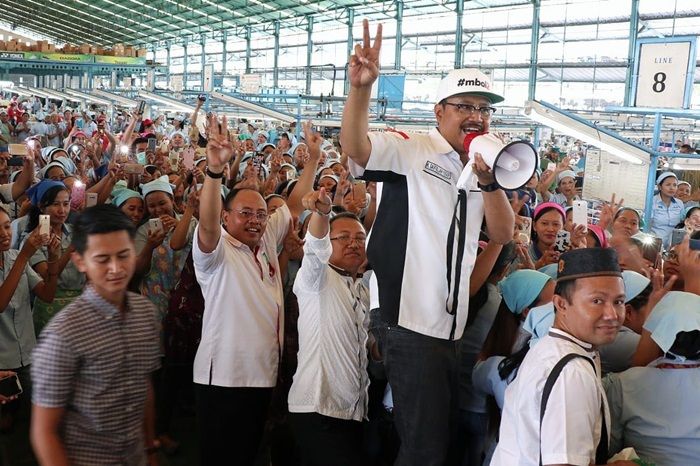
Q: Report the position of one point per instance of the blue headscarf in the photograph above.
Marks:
(521, 288)
(538, 322)
(678, 311)
(36, 193)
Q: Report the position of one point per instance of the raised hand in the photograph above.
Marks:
(293, 244)
(608, 211)
(219, 148)
(313, 141)
(317, 201)
(363, 67)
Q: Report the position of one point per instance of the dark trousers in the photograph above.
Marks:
(325, 441)
(422, 373)
(230, 422)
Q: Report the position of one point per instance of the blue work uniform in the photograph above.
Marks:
(665, 218)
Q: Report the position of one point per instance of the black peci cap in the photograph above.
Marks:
(588, 262)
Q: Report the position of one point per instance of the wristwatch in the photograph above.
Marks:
(211, 174)
(489, 188)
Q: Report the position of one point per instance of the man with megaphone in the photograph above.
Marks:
(435, 194)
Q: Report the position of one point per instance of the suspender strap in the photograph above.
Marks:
(458, 222)
(601, 454)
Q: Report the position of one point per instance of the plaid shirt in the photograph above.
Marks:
(95, 362)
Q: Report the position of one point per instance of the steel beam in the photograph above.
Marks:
(459, 33)
(224, 40)
(203, 58)
(534, 46)
(184, 62)
(309, 51)
(634, 30)
(350, 46)
(275, 66)
(399, 34)
(248, 38)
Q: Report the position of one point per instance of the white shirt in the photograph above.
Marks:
(331, 377)
(243, 322)
(572, 423)
(408, 246)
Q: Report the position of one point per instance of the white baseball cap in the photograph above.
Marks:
(466, 81)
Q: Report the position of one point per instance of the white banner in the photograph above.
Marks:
(662, 74)
(208, 84)
(251, 83)
(176, 82)
(603, 175)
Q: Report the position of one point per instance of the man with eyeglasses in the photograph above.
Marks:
(236, 264)
(328, 398)
(423, 243)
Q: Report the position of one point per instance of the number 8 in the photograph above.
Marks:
(659, 82)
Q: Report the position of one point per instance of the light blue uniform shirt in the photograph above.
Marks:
(655, 411)
(17, 338)
(664, 219)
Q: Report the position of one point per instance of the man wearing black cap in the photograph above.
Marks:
(555, 412)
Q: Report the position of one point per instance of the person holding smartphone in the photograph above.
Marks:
(93, 400)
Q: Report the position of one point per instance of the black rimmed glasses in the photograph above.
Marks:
(469, 110)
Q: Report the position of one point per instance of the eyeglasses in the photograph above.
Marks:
(469, 110)
(260, 215)
(347, 239)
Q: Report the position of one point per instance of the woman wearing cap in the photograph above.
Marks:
(506, 343)
(52, 198)
(667, 210)
(626, 222)
(566, 187)
(548, 220)
(130, 202)
(654, 408)
(691, 219)
(159, 264)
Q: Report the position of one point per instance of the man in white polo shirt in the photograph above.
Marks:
(423, 243)
(236, 364)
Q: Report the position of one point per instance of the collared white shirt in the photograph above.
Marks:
(331, 377)
(243, 322)
(572, 423)
(408, 244)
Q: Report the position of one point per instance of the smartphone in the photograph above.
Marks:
(152, 144)
(174, 159)
(15, 161)
(188, 158)
(580, 213)
(579, 182)
(77, 195)
(524, 231)
(359, 189)
(90, 199)
(678, 235)
(694, 244)
(10, 386)
(17, 149)
(652, 248)
(141, 107)
(258, 159)
(133, 168)
(563, 241)
(202, 98)
(551, 166)
(44, 224)
(79, 123)
(155, 225)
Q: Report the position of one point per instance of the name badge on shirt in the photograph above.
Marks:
(436, 170)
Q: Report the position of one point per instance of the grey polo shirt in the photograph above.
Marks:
(17, 338)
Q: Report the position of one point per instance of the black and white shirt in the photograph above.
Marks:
(414, 247)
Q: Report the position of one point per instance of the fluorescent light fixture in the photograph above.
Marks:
(586, 132)
(87, 97)
(257, 108)
(114, 97)
(167, 101)
(54, 94)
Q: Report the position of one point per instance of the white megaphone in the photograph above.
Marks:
(513, 164)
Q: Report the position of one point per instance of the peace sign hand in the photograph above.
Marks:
(363, 67)
(219, 148)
